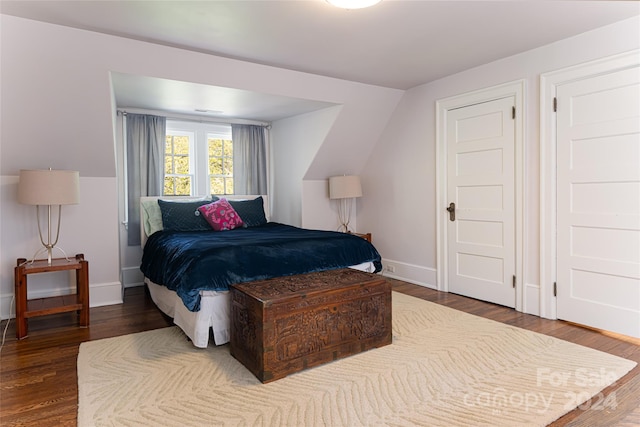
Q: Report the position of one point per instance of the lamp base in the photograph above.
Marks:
(49, 251)
(344, 214)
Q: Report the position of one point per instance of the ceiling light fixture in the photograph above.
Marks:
(353, 4)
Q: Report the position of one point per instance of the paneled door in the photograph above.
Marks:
(481, 201)
(598, 201)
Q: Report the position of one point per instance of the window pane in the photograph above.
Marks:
(228, 167)
(181, 165)
(215, 166)
(228, 148)
(217, 185)
(181, 144)
(215, 147)
(168, 164)
(229, 182)
(177, 186)
(168, 147)
(168, 186)
(183, 186)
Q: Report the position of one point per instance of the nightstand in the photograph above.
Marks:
(26, 308)
(365, 236)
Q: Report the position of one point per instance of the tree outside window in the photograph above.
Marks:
(177, 165)
(198, 159)
(220, 165)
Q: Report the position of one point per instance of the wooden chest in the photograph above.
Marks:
(284, 325)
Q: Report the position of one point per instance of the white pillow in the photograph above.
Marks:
(152, 216)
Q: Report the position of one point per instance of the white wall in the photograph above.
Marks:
(86, 228)
(401, 211)
(317, 214)
(58, 111)
(295, 142)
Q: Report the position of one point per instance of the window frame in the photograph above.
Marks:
(190, 155)
(223, 159)
(199, 160)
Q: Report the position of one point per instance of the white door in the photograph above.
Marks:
(480, 191)
(598, 202)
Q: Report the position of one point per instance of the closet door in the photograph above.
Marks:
(598, 201)
(481, 201)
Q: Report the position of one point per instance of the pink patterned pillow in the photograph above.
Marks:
(220, 215)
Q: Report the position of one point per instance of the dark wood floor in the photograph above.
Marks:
(38, 379)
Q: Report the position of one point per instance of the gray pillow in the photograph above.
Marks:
(183, 216)
(251, 211)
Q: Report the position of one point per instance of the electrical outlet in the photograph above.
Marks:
(391, 268)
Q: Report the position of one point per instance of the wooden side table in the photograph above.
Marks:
(79, 301)
(365, 236)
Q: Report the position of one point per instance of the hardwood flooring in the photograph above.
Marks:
(38, 378)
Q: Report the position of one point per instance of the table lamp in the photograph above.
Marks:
(49, 188)
(344, 188)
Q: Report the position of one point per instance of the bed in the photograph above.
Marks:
(188, 266)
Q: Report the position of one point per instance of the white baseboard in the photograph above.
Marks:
(7, 307)
(100, 294)
(105, 294)
(416, 274)
(132, 277)
(531, 299)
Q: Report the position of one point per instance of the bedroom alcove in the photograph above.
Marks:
(135, 93)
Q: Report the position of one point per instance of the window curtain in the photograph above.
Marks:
(249, 159)
(146, 137)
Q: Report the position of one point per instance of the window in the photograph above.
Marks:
(177, 164)
(220, 165)
(198, 159)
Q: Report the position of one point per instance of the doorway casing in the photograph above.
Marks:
(549, 83)
(515, 89)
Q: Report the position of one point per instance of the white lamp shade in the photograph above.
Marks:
(49, 187)
(344, 187)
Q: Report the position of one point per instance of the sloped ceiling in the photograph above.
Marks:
(396, 44)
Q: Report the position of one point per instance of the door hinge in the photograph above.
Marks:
(513, 112)
(555, 105)
(555, 289)
(514, 280)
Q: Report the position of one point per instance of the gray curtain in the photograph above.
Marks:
(146, 137)
(249, 159)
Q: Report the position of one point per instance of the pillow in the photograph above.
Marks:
(220, 215)
(152, 216)
(251, 211)
(183, 216)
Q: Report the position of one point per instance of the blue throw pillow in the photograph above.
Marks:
(183, 216)
(251, 211)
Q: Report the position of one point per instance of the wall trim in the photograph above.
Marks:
(416, 274)
(105, 294)
(517, 89)
(549, 83)
(7, 307)
(531, 299)
(131, 277)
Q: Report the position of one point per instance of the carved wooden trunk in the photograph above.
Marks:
(284, 325)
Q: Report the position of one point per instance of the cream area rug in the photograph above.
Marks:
(444, 368)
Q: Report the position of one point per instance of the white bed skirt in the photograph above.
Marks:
(214, 314)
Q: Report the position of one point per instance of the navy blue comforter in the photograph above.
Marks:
(191, 261)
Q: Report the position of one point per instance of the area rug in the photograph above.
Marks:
(444, 368)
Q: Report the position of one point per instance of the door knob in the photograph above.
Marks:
(452, 211)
